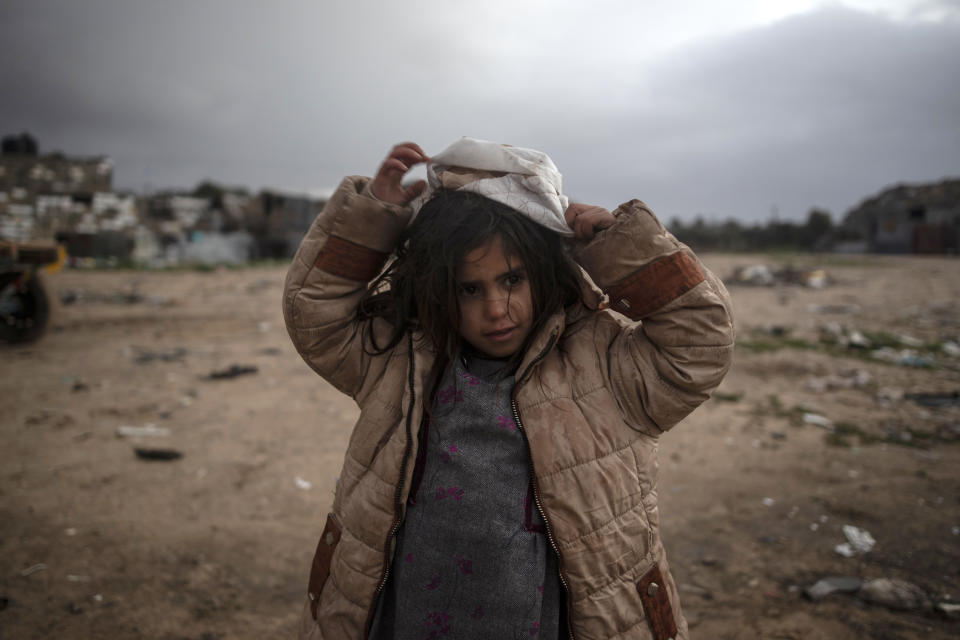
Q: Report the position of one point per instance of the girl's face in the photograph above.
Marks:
(496, 305)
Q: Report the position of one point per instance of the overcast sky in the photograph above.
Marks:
(725, 109)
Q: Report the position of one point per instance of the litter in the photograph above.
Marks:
(818, 420)
(857, 340)
(232, 371)
(909, 341)
(148, 430)
(29, 571)
(894, 594)
(173, 355)
(935, 400)
(948, 609)
(754, 274)
(768, 502)
(302, 484)
(888, 395)
(904, 357)
(816, 279)
(858, 541)
(763, 276)
(834, 584)
(158, 454)
(852, 379)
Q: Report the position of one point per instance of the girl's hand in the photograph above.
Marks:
(586, 219)
(387, 184)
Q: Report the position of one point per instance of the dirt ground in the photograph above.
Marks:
(98, 543)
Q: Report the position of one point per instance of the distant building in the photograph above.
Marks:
(918, 218)
(69, 199)
(41, 195)
(279, 221)
(55, 173)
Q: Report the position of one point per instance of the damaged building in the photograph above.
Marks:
(918, 218)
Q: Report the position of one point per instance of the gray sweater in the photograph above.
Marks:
(472, 559)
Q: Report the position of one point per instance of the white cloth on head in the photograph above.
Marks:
(523, 179)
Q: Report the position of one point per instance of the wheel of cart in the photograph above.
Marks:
(24, 305)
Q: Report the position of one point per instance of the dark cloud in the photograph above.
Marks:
(820, 109)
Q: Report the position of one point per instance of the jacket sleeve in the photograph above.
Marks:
(344, 249)
(679, 343)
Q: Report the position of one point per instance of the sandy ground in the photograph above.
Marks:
(97, 543)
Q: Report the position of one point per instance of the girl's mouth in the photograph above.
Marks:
(502, 334)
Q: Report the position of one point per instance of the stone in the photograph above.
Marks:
(895, 594)
(833, 584)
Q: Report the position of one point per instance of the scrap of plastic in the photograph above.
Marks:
(817, 420)
(858, 541)
(148, 430)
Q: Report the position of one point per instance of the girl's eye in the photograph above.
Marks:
(514, 279)
(468, 290)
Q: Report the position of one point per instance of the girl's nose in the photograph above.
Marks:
(496, 307)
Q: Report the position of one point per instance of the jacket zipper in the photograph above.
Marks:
(397, 497)
(536, 486)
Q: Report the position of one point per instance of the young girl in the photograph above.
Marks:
(515, 363)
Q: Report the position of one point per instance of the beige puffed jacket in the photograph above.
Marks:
(595, 391)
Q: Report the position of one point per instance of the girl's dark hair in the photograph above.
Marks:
(418, 289)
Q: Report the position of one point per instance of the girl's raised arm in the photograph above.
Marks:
(344, 249)
(662, 367)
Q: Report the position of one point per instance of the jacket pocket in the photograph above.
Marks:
(656, 604)
(320, 569)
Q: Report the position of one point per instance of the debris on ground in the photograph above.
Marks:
(903, 357)
(76, 384)
(859, 541)
(935, 400)
(721, 396)
(948, 609)
(144, 356)
(129, 295)
(148, 430)
(763, 276)
(754, 274)
(305, 485)
(165, 455)
(895, 594)
(847, 379)
(889, 395)
(817, 420)
(834, 584)
(896, 349)
(33, 569)
(232, 371)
